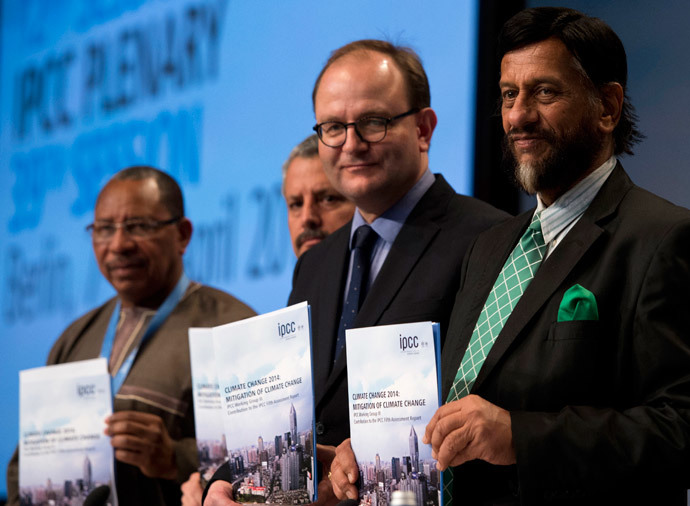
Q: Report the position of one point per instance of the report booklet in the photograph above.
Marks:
(208, 406)
(393, 389)
(265, 376)
(63, 453)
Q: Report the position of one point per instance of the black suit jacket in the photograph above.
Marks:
(600, 410)
(417, 282)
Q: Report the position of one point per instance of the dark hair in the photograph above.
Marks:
(170, 192)
(593, 44)
(405, 58)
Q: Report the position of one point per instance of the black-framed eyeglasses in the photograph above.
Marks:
(136, 227)
(369, 129)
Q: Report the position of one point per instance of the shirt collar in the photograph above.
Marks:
(573, 203)
(388, 225)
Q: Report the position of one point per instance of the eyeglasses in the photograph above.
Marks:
(136, 227)
(369, 129)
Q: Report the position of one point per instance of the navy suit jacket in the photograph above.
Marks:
(600, 410)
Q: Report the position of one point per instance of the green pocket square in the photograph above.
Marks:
(578, 304)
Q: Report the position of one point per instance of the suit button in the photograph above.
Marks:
(320, 429)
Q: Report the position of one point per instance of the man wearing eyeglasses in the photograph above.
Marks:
(409, 232)
(139, 237)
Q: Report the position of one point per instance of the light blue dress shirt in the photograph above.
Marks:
(561, 216)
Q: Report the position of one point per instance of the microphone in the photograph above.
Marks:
(98, 496)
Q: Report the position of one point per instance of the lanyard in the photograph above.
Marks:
(161, 315)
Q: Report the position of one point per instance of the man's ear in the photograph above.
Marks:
(426, 122)
(184, 230)
(611, 95)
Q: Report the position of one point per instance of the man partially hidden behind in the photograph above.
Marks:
(139, 235)
(315, 208)
(399, 258)
(566, 369)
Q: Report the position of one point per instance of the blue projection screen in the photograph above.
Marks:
(216, 92)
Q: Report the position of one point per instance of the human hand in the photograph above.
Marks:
(192, 491)
(344, 472)
(141, 439)
(467, 429)
(326, 497)
(325, 455)
(220, 494)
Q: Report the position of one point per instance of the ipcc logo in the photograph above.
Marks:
(86, 390)
(285, 329)
(408, 342)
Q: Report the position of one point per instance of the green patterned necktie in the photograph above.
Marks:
(516, 275)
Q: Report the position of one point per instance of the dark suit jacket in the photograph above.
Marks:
(600, 410)
(417, 282)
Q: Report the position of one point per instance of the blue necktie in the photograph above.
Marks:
(363, 244)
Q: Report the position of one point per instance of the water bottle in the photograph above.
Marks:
(403, 498)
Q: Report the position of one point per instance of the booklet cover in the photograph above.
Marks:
(208, 406)
(63, 453)
(393, 389)
(265, 376)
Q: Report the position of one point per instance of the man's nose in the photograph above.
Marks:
(121, 240)
(522, 112)
(353, 141)
(311, 215)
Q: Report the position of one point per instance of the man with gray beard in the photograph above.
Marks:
(565, 368)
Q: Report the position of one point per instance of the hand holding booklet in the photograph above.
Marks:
(264, 372)
(393, 389)
(64, 456)
(208, 407)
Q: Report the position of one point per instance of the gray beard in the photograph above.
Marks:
(527, 177)
(570, 158)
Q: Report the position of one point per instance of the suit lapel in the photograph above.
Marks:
(412, 241)
(499, 243)
(557, 266)
(327, 316)
(548, 278)
(407, 248)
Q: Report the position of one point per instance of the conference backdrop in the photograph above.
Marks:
(215, 92)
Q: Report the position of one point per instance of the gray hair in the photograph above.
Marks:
(308, 148)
